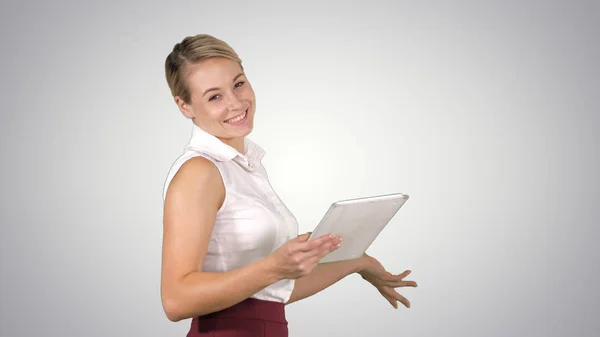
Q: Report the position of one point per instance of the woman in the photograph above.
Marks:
(232, 257)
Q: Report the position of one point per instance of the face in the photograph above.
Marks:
(222, 100)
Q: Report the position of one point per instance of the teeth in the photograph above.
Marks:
(237, 119)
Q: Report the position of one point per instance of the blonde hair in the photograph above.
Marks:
(193, 49)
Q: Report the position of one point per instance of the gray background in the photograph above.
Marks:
(485, 113)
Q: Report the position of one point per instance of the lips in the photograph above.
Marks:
(237, 118)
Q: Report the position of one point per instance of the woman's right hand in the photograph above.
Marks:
(298, 257)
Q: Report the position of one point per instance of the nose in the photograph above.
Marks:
(235, 103)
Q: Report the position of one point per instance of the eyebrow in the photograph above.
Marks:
(213, 89)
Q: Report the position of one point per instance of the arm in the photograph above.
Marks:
(193, 199)
(326, 274)
(323, 276)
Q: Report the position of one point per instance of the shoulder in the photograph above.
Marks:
(197, 176)
(198, 166)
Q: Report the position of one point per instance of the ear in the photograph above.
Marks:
(185, 108)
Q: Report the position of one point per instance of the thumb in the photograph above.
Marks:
(304, 236)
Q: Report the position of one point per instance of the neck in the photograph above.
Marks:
(237, 143)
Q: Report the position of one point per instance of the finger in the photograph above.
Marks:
(395, 283)
(389, 298)
(301, 242)
(313, 261)
(400, 298)
(392, 301)
(329, 246)
(318, 242)
(307, 258)
(321, 251)
(310, 264)
(389, 277)
(405, 284)
(303, 237)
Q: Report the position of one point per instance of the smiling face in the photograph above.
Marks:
(222, 101)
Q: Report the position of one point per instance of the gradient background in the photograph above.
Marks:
(485, 113)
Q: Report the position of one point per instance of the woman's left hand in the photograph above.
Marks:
(386, 282)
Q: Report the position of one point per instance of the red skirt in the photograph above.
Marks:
(249, 318)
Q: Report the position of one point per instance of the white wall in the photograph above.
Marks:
(485, 113)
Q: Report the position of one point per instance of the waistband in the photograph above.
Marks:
(252, 308)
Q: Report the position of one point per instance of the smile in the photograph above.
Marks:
(237, 118)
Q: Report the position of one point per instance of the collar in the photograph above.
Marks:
(207, 143)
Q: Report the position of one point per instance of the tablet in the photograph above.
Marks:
(359, 222)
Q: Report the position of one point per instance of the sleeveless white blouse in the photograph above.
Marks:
(253, 221)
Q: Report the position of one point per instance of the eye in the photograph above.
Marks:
(213, 97)
(239, 84)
